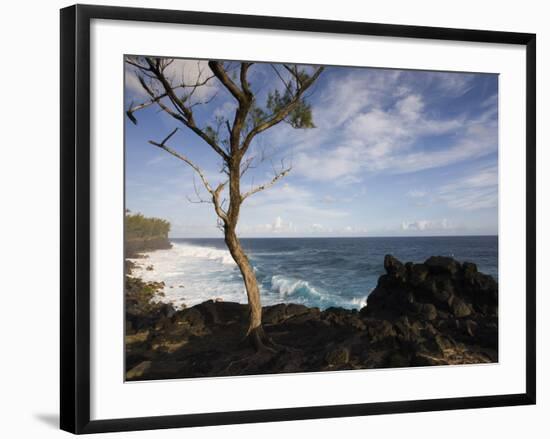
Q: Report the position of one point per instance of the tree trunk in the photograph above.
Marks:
(255, 332)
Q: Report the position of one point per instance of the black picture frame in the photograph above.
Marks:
(75, 217)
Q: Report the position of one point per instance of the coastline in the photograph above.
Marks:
(320, 273)
(435, 313)
(135, 248)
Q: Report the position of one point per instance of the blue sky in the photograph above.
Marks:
(394, 153)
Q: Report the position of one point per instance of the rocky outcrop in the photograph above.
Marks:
(133, 248)
(435, 313)
(444, 312)
(143, 304)
(439, 289)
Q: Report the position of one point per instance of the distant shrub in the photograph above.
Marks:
(140, 227)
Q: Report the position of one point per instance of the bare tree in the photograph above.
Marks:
(229, 139)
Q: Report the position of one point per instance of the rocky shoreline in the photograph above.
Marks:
(134, 248)
(439, 312)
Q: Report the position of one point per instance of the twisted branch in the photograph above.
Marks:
(215, 193)
(260, 188)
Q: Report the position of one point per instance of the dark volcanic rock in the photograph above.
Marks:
(435, 313)
(439, 286)
(429, 311)
(342, 317)
(460, 308)
(274, 314)
(338, 357)
(394, 267)
(418, 274)
(455, 300)
(469, 269)
(442, 265)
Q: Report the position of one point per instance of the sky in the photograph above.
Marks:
(393, 153)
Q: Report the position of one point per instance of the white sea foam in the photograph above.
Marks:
(289, 286)
(195, 251)
(194, 274)
(359, 302)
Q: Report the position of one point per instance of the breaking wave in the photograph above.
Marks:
(289, 287)
(195, 251)
(314, 272)
(195, 273)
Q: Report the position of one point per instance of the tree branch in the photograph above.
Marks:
(244, 96)
(285, 83)
(260, 188)
(154, 98)
(159, 102)
(161, 91)
(215, 193)
(247, 164)
(282, 113)
(294, 72)
(244, 81)
(184, 112)
(221, 74)
(217, 205)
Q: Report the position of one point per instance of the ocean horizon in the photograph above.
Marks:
(180, 238)
(314, 271)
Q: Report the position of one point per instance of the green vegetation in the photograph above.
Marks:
(139, 227)
(144, 234)
(142, 297)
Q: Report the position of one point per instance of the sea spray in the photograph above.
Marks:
(321, 272)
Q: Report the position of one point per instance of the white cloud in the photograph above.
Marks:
(277, 227)
(491, 101)
(373, 122)
(291, 201)
(477, 190)
(426, 225)
(288, 209)
(384, 139)
(451, 84)
(377, 123)
(181, 70)
(477, 140)
(339, 165)
(225, 110)
(341, 100)
(469, 200)
(132, 85)
(410, 107)
(479, 178)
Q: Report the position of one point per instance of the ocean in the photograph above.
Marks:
(320, 272)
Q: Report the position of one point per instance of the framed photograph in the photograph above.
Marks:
(284, 218)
